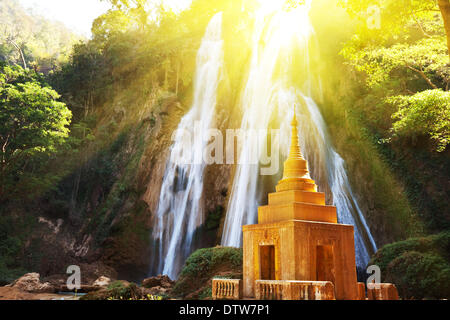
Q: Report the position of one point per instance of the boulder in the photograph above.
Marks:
(102, 282)
(31, 283)
(159, 281)
(155, 291)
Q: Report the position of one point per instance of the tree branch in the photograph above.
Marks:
(444, 7)
(20, 52)
(423, 75)
(420, 25)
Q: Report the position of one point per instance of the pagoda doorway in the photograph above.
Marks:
(267, 262)
(325, 263)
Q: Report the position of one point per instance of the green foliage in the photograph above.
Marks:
(399, 96)
(213, 220)
(30, 39)
(425, 59)
(84, 81)
(203, 264)
(119, 290)
(410, 58)
(32, 122)
(205, 294)
(110, 24)
(419, 267)
(419, 276)
(12, 232)
(8, 274)
(426, 112)
(137, 9)
(203, 261)
(396, 17)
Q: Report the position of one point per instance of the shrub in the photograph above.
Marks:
(203, 265)
(419, 267)
(7, 274)
(205, 294)
(117, 290)
(204, 260)
(418, 275)
(391, 251)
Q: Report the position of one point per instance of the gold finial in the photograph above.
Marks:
(294, 122)
(295, 166)
(295, 152)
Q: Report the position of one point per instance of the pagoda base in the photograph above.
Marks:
(303, 251)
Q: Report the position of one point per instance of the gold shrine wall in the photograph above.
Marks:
(300, 250)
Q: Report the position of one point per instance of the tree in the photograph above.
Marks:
(136, 8)
(405, 59)
(444, 6)
(112, 22)
(426, 112)
(426, 59)
(83, 80)
(11, 34)
(31, 40)
(396, 16)
(32, 120)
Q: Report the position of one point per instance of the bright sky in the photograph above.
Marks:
(78, 15)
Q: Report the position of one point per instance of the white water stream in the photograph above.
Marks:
(180, 209)
(268, 99)
(278, 36)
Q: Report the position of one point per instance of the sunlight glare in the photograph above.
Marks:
(294, 24)
(292, 20)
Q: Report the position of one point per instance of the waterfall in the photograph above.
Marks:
(278, 37)
(180, 208)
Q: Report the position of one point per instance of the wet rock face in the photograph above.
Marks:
(31, 283)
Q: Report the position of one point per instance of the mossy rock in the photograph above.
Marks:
(202, 266)
(118, 290)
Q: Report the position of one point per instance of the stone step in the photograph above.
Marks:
(287, 197)
(297, 211)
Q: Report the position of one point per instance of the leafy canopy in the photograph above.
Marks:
(32, 120)
(31, 40)
(427, 58)
(426, 112)
(395, 17)
(405, 58)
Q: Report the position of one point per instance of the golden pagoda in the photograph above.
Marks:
(297, 237)
(298, 251)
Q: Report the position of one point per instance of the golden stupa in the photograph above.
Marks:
(296, 197)
(298, 250)
(297, 237)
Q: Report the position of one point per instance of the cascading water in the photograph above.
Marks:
(180, 210)
(260, 100)
(330, 170)
(279, 35)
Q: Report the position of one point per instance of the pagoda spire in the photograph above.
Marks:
(295, 152)
(296, 174)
